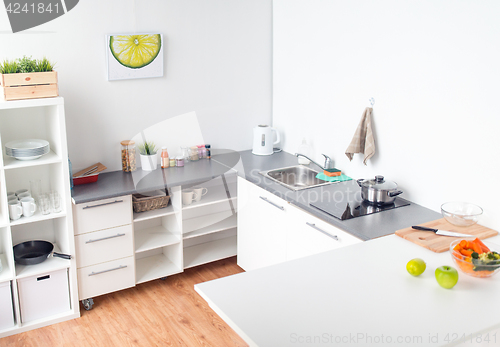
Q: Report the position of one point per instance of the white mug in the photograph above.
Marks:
(187, 196)
(11, 196)
(29, 206)
(199, 193)
(15, 209)
(24, 195)
(20, 191)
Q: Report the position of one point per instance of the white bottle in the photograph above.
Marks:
(305, 149)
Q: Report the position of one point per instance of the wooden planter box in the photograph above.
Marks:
(31, 85)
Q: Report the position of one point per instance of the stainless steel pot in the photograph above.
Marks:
(379, 191)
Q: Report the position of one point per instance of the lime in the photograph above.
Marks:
(135, 51)
(416, 267)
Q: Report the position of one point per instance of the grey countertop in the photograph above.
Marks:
(368, 227)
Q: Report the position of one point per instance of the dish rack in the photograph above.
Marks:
(143, 203)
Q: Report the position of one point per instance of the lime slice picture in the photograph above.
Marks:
(135, 51)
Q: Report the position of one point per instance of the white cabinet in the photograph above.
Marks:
(105, 247)
(271, 230)
(6, 307)
(310, 235)
(262, 226)
(36, 119)
(118, 248)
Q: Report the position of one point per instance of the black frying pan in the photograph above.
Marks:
(35, 252)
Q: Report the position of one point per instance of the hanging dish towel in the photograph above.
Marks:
(362, 141)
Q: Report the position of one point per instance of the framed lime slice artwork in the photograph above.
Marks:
(134, 56)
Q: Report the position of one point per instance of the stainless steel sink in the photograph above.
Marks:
(295, 177)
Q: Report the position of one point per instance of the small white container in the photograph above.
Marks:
(305, 149)
(6, 309)
(43, 296)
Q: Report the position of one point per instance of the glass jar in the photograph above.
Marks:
(128, 156)
(202, 152)
(193, 153)
(185, 152)
(165, 160)
(209, 154)
(179, 161)
(172, 162)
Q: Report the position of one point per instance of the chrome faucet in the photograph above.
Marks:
(328, 161)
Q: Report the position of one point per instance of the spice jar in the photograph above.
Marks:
(202, 152)
(179, 161)
(165, 161)
(128, 156)
(209, 154)
(172, 162)
(193, 153)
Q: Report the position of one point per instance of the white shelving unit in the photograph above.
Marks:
(36, 119)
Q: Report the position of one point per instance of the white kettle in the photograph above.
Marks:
(263, 140)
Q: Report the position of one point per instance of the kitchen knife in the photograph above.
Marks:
(442, 232)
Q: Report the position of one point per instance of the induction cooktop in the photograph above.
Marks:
(346, 203)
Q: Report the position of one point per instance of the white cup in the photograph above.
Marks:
(11, 196)
(199, 193)
(20, 191)
(187, 196)
(15, 209)
(29, 206)
(24, 195)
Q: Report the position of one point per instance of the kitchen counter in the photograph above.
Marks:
(119, 183)
(359, 295)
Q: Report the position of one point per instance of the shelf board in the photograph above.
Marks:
(6, 274)
(10, 104)
(49, 265)
(12, 163)
(210, 251)
(140, 216)
(213, 224)
(155, 237)
(38, 216)
(156, 266)
(213, 196)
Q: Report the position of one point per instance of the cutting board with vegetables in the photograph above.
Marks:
(438, 243)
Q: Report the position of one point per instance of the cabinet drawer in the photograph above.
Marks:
(104, 245)
(106, 277)
(43, 296)
(6, 311)
(102, 214)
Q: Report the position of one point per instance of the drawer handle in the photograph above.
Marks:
(104, 204)
(103, 271)
(312, 225)
(105, 238)
(272, 203)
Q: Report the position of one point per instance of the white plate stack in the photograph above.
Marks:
(27, 149)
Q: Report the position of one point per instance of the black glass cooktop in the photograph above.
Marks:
(346, 202)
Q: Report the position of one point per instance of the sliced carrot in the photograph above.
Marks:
(466, 252)
(463, 244)
(476, 247)
(484, 248)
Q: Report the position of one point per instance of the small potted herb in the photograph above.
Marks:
(148, 151)
(27, 78)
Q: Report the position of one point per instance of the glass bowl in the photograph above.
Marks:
(462, 214)
(476, 270)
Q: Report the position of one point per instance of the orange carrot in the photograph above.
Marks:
(484, 248)
(466, 252)
(463, 244)
(476, 248)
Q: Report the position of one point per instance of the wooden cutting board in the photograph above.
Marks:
(438, 243)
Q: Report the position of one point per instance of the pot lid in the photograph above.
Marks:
(379, 183)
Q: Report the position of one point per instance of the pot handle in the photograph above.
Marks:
(61, 255)
(394, 193)
(359, 182)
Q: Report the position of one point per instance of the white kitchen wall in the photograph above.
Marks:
(217, 64)
(433, 69)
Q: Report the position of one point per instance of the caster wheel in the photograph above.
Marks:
(88, 303)
(163, 278)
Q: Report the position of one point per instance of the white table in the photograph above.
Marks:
(357, 295)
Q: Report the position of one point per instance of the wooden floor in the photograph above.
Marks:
(158, 313)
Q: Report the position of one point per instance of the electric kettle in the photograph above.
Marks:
(263, 140)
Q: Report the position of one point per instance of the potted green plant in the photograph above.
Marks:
(148, 151)
(27, 78)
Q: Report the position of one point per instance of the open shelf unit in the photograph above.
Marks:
(36, 119)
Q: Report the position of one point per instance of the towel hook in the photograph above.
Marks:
(372, 101)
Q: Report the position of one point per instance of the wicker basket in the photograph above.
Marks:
(143, 203)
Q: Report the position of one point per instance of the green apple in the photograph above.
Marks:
(446, 276)
(416, 267)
